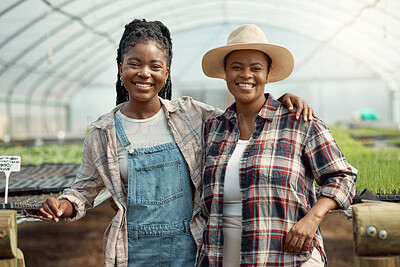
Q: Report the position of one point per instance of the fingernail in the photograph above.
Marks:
(59, 213)
(56, 219)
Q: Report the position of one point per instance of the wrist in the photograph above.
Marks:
(322, 207)
(317, 215)
(69, 210)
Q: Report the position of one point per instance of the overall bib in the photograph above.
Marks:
(159, 207)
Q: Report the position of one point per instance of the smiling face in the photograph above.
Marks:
(246, 76)
(143, 71)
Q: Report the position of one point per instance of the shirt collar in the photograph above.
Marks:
(107, 120)
(271, 105)
(267, 111)
(169, 106)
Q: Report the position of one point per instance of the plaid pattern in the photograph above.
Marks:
(100, 169)
(277, 172)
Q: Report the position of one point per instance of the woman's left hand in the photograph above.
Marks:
(302, 233)
(288, 100)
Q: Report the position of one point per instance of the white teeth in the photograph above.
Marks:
(143, 84)
(246, 85)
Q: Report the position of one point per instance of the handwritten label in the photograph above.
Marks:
(10, 163)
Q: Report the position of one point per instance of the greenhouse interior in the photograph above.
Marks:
(58, 59)
(58, 74)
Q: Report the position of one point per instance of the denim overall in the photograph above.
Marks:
(159, 207)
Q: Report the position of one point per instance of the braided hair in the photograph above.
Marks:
(139, 31)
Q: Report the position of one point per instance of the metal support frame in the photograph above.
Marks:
(66, 75)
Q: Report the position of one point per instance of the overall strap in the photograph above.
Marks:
(123, 138)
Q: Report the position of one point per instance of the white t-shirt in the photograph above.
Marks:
(142, 133)
(232, 195)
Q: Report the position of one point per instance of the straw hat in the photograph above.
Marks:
(249, 36)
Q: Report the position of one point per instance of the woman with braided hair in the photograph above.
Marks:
(148, 153)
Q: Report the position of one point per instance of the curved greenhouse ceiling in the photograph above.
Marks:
(58, 56)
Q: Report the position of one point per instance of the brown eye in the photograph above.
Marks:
(156, 67)
(133, 64)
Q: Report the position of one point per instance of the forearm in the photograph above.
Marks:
(322, 207)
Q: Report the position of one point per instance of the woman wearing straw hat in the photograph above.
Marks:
(259, 197)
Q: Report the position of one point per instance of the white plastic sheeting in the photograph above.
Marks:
(50, 50)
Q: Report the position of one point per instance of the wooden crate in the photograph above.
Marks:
(376, 234)
(10, 254)
(8, 234)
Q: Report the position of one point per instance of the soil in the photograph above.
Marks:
(49, 244)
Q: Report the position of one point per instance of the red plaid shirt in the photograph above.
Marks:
(277, 172)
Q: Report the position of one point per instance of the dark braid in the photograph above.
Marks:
(139, 31)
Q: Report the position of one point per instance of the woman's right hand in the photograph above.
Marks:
(53, 209)
(303, 109)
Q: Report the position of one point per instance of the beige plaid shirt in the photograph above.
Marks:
(100, 169)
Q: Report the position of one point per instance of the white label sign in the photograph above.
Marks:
(9, 164)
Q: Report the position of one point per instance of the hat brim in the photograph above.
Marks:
(281, 67)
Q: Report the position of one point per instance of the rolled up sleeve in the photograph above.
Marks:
(88, 182)
(330, 168)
